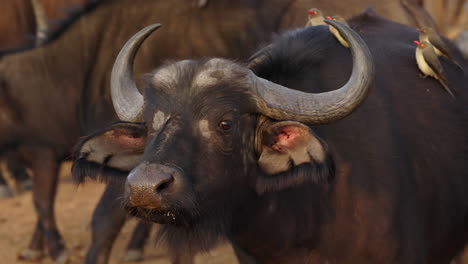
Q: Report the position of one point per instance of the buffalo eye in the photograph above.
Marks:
(225, 125)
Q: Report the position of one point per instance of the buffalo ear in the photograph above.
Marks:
(290, 154)
(288, 144)
(114, 150)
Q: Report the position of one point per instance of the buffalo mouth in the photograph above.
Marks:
(178, 217)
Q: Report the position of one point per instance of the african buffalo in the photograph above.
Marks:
(59, 91)
(347, 165)
(291, 14)
(65, 94)
(25, 24)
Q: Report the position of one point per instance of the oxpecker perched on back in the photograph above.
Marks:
(429, 35)
(315, 17)
(429, 63)
(336, 33)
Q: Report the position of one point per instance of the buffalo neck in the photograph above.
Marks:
(286, 222)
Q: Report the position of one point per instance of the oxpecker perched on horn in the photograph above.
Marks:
(315, 17)
(429, 63)
(336, 33)
(429, 35)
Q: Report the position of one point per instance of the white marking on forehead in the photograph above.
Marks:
(207, 78)
(168, 74)
(158, 120)
(182, 63)
(218, 62)
(213, 71)
(204, 127)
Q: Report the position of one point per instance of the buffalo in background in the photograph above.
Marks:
(26, 24)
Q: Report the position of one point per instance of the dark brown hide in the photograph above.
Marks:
(17, 23)
(66, 93)
(399, 193)
(61, 89)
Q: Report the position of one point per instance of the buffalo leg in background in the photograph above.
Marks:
(108, 218)
(18, 171)
(45, 163)
(5, 190)
(137, 242)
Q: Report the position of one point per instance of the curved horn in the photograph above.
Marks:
(259, 57)
(128, 101)
(281, 103)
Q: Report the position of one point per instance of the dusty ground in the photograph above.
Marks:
(74, 206)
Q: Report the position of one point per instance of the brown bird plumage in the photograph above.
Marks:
(429, 64)
(315, 17)
(336, 33)
(429, 35)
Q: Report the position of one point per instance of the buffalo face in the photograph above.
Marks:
(207, 134)
(199, 142)
(190, 152)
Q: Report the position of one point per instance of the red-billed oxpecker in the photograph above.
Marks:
(315, 17)
(429, 63)
(335, 32)
(429, 35)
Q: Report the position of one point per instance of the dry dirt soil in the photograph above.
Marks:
(74, 207)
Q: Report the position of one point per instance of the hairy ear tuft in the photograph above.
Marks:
(319, 173)
(83, 169)
(109, 153)
(288, 144)
(290, 154)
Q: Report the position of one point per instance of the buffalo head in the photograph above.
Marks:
(207, 133)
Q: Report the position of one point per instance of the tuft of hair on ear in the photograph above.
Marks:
(107, 149)
(307, 173)
(82, 169)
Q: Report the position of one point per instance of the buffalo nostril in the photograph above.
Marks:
(165, 181)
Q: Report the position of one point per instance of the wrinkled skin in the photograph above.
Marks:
(395, 196)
